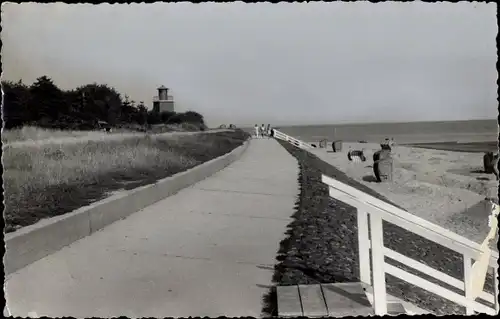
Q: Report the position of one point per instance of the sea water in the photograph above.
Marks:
(402, 133)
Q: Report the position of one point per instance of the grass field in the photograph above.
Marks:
(47, 179)
(32, 133)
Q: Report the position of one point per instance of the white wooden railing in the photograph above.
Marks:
(292, 140)
(371, 212)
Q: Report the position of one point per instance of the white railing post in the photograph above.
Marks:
(495, 288)
(364, 248)
(468, 283)
(290, 139)
(372, 212)
(378, 282)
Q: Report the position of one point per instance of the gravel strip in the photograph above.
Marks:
(322, 246)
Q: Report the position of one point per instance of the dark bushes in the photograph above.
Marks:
(43, 104)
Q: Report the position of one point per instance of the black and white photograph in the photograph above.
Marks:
(265, 160)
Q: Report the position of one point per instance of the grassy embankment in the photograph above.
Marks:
(42, 179)
(321, 244)
(32, 133)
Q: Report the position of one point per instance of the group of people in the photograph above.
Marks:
(263, 131)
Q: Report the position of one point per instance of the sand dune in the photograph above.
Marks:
(444, 187)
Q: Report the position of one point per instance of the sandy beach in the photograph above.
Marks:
(444, 187)
(321, 244)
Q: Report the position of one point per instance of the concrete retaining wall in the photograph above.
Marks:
(34, 242)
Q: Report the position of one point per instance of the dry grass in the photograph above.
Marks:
(42, 165)
(38, 175)
(36, 134)
(32, 133)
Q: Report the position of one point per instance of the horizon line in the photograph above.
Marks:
(388, 122)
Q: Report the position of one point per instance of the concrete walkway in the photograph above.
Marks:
(207, 251)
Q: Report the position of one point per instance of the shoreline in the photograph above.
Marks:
(321, 243)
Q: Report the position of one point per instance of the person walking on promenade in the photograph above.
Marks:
(268, 130)
(256, 131)
(263, 130)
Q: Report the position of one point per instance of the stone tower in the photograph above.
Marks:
(163, 102)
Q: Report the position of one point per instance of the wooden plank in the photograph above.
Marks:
(289, 304)
(423, 268)
(436, 289)
(435, 273)
(378, 281)
(495, 287)
(468, 283)
(346, 299)
(313, 302)
(410, 226)
(364, 245)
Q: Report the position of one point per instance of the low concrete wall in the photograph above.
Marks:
(34, 242)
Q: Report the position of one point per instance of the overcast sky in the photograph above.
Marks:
(286, 63)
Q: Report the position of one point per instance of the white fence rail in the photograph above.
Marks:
(371, 212)
(292, 140)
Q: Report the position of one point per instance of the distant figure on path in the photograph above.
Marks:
(272, 132)
(268, 130)
(263, 130)
(256, 131)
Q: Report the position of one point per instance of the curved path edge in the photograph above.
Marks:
(39, 240)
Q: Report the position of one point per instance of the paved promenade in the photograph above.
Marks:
(207, 251)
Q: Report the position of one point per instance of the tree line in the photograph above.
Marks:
(45, 105)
